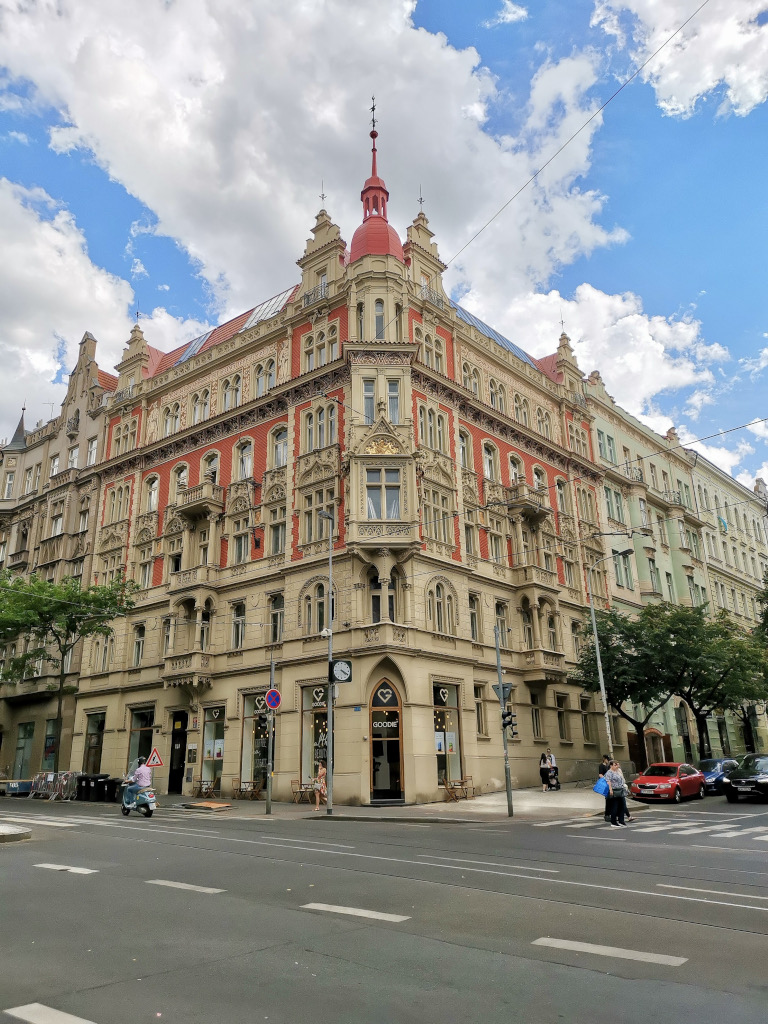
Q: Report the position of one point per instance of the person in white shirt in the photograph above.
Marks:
(141, 777)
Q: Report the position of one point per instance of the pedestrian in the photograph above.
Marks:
(544, 772)
(627, 815)
(552, 762)
(616, 790)
(321, 791)
(603, 768)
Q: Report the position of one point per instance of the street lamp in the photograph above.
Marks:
(627, 551)
(322, 514)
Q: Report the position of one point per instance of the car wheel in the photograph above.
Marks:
(702, 792)
(677, 796)
(731, 797)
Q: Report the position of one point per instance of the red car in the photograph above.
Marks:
(669, 781)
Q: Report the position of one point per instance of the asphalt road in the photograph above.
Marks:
(224, 919)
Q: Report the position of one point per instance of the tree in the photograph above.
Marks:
(761, 629)
(630, 678)
(53, 618)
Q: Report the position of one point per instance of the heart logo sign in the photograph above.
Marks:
(258, 702)
(386, 695)
(318, 694)
(443, 694)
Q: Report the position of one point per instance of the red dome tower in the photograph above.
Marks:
(375, 236)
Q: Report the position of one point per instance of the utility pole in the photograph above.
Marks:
(270, 736)
(503, 690)
(331, 685)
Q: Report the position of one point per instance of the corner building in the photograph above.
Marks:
(457, 476)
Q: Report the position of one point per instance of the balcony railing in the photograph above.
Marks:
(577, 398)
(320, 291)
(673, 497)
(432, 296)
(206, 496)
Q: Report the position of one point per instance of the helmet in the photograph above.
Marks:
(142, 760)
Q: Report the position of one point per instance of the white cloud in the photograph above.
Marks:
(757, 364)
(723, 51)
(508, 12)
(759, 428)
(20, 137)
(697, 401)
(724, 458)
(138, 269)
(748, 479)
(163, 287)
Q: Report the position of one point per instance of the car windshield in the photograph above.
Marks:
(661, 769)
(754, 764)
(709, 766)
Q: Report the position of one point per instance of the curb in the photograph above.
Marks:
(14, 834)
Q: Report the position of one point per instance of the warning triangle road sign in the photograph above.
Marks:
(154, 760)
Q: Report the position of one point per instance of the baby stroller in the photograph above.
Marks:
(553, 782)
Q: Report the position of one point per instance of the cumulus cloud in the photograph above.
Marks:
(508, 12)
(20, 137)
(721, 455)
(722, 52)
(138, 269)
(759, 428)
(757, 364)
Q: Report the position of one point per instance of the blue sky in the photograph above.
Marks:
(170, 160)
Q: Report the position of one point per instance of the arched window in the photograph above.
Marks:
(360, 321)
(502, 399)
(527, 616)
(377, 592)
(179, 480)
(524, 416)
(231, 393)
(201, 404)
(429, 350)
(280, 447)
(270, 373)
(439, 355)
(516, 470)
(441, 433)
(490, 462)
(464, 450)
(260, 380)
(245, 460)
(378, 313)
(211, 467)
(321, 428)
(540, 481)
(422, 425)
(309, 352)
(320, 350)
(316, 609)
(561, 493)
(475, 382)
(543, 423)
(552, 632)
(153, 491)
(116, 438)
(331, 424)
(171, 419)
(276, 605)
(493, 387)
(440, 609)
(310, 431)
(431, 429)
(466, 376)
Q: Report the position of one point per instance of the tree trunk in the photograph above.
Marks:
(701, 727)
(642, 753)
(59, 715)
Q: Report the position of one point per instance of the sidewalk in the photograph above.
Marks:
(528, 804)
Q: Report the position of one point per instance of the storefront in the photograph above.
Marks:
(253, 763)
(213, 746)
(142, 732)
(445, 698)
(386, 745)
(314, 730)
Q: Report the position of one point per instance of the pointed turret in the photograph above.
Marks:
(375, 236)
(19, 440)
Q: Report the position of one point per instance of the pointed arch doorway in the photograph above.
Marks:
(386, 745)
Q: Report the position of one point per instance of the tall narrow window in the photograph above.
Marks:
(245, 460)
(242, 541)
(360, 321)
(393, 400)
(276, 618)
(474, 617)
(280, 447)
(238, 626)
(139, 633)
(378, 312)
(277, 530)
(368, 400)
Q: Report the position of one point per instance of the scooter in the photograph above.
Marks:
(146, 800)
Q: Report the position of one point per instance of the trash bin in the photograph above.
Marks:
(98, 787)
(83, 787)
(114, 787)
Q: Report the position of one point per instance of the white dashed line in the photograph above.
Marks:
(183, 885)
(356, 912)
(36, 1013)
(71, 870)
(614, 951)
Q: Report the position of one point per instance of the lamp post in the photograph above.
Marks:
(594, 565)
(322, 514)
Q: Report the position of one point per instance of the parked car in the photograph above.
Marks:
(749, 779)
(669, 780)
(714, 770)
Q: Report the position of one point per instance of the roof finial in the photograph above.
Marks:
(374, 136)
(562, 322)
(322, 192)
(373, 113)
(421, 200)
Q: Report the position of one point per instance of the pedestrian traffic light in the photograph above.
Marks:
(509, 721)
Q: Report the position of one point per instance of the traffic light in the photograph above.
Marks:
(509, 721)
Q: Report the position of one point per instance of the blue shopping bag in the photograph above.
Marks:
(601, 786)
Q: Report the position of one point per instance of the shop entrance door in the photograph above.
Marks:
(386, 746)
(178, 752)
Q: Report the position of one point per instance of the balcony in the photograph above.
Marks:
(425, 292)
(51, 549)
(577, 398)
(672, 498)
(320, 291)
(525, 575)
(538, 665)
(186, 578)
(19, 559)
(201, 500)
(190, 671)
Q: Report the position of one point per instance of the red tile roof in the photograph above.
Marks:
(106, 380)
(548, 366)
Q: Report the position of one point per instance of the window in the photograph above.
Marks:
(540, 482)
(543, 423)
(498, 396)
(502, 625)
(549, 553)
(496, 540)
(433, 353)
(82, 525)
(552, 632)
(521, 410)
(601, 445)
(145, 567)
(265, 377)
(280, 448)
(170, 419)
(622, 567)
(316, 525)
(561, 702)
(437, 517)
(654, 478)
(383, 495)
(470, 531)
(201, 405)
(179, 479)
(619, 506)
(465, 450)
(369, 388)
(28, 480)
(393, 400)
(238, 626)
(643, 512)
(245, 460)
(482, 729)
(230, 393)
(585, 704)
(8, 488)
(670, 587)
(315, 609)
(90, 459)
(474, 617)
(54, 465)
(360, 321)
(536, 717)
(440, 609)
(202, 547)
(654, 575)
(527, 620)
(378, 316)
(174, 554)
(516, 471)
(242, 542)
(662, 528)
(576, 637)
(153, 490)
(609, 503)
(210, 467)
(139, 633)
(561, 495)
(490, 462)
(57, 521)
(577, 439)
(73, 457)
(276, 618)
(277, 530)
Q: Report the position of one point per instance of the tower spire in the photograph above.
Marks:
(374, 136)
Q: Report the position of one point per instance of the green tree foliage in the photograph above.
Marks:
(761, 629)
(666, 650)
(628, 671)
(51, 619)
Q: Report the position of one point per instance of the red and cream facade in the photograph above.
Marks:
(462, 486)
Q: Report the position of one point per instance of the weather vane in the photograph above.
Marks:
(373, 113)
(322, 191)
(421, 199)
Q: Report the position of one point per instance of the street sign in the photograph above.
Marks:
(340, 671)
(273, 699)
(154, 760)
(507, 687)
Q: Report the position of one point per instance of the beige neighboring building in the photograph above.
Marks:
(463, 494)
(48, 512)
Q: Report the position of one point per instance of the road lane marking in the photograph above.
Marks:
(71, 870)
(614, 951)
(549, 824)
(36, 1013)
(490, 863)
(183, 885)
(714, 892)
(586, 824)
(356, 912)
(18, 819)
(603, 839)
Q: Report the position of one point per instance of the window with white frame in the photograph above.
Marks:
(526, 616)
(440, 610)
(552, 632)
(171, 419)
(152, 492)
(175, 548)
(501, 613)
(585, 704)
(54, 465)
(490, 461)
(470, 378)
(179, 481)
(474, 618)
(264, 375)
(90, 459)
(276, 606)
(577, 439)
(465, 450)
(470, 531)
(569, 565)
(316, 525)
(145, 567)
(210, 467)
(393, 401)
(433, 352)
(536, 717)
(562, 701)
(139, 634)
(498, 395)
(543, 423)
(382, 493)
(231, 389)
(82, 525)
(576, 638)
(244, 460)
(480, 722)
(73, 456)
(241, 541)
(238, 625)
(516, 470)
(522, 410)
(316, 609)
(280, 447)
(437, 518)
(277, 530)
(496, 540)
(369, 400)
(201, 405)
(561, 495)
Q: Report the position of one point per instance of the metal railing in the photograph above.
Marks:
(432, 296)
(320, 291)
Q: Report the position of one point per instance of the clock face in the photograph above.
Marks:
(341, 670)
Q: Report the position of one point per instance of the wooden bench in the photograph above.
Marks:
(302, 790)
(457, 789)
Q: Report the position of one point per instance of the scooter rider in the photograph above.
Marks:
(141, 778)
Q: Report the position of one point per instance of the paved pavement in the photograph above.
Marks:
(235, 917)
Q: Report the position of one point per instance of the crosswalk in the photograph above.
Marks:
(54, 821)
(645, 824)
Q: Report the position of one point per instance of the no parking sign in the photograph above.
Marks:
(273, 699)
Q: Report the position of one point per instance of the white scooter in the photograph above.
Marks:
(146, 800)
